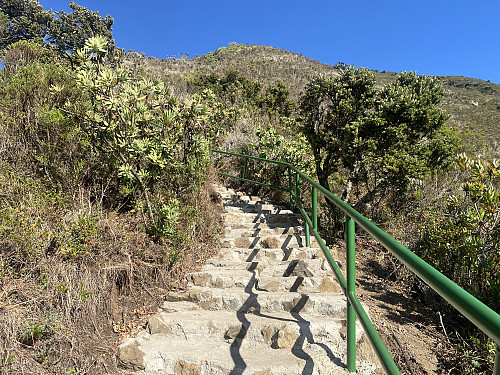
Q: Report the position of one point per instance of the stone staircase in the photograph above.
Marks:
(266, 305)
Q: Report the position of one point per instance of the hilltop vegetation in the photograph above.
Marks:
(472, 104)
(105, 173)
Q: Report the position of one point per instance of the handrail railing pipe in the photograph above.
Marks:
(477, 312)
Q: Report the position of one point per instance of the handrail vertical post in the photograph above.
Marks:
(351, 290)
(290, 186)
(496, 369)
(245, 168)
(308, 235)
(297, 187)
(315, 208)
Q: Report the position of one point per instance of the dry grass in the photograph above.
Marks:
(62, 314)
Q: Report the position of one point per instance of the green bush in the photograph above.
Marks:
(463, 241)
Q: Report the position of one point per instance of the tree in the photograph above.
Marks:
(66, 32)
(276, 101)
(334, 111)
(23, 20)
(69, 31)
(381, 139)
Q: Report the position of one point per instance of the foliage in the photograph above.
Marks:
(276, 101)
(334, 110)
(66, 32)
(23, 20)
(290, 149)
(156, 143)
(40, 135)
(463, 243)
(69, 31)
(383, 139)
(233, 87)
(275, 146)
(23, 53)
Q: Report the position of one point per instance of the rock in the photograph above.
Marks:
(156, 325)
(265, 372)
(328, 285)
(200, 278)
(319, 254)
(189, 295)
(232, 219)
(270, 243)
(208, 304)
(343, 330)
(185, 368)
(302, 268)
(227, 255)
(130, 357)
(278, 219)
(299, 304)
(235, 332)
(239, 227)
(272, 286)
(287, 336)
(364, 350)
(243, 242)
(267, 334)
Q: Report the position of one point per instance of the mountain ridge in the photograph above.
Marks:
(473, 104)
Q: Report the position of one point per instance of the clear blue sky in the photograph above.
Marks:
(438, 37)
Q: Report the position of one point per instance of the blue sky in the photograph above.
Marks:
(440, 37)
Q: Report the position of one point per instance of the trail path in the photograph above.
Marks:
(266, 305)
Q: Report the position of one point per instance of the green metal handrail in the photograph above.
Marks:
(477, 312)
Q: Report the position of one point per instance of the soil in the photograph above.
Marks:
(406, 323)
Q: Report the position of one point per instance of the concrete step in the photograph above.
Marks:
(251, 301)
(223, 278)
(262, 232)
(267, 242)
(192, 322)
(207, 356)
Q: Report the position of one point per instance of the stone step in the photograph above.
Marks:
(207, 356)
(260, 254)
(223, 278)
(265, 305)
(270, 267)
(259, 218)
(257, 208)
(262, 225)
(262, 232)
(250, 301)
(267, 242)
(190, 322)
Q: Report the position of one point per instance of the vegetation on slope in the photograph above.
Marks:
(105, 160)
(104, 200)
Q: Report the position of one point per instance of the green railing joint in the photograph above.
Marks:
(477, 312)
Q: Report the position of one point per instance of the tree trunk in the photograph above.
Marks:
(347, 191)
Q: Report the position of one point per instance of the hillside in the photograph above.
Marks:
(474, 104)
(107, 180)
